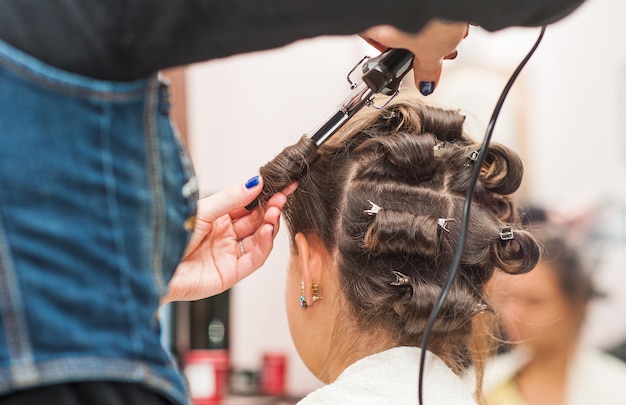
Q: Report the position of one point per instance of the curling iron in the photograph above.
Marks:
(379, 75)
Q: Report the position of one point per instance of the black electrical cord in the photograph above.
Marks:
(458, 253)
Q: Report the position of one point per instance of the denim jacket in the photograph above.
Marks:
(94, 193)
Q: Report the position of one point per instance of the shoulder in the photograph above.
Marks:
(596, 377)
(601, 367)
(390, 378)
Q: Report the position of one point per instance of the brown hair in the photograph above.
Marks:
(387, 157)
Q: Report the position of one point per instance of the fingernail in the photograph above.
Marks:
(252, 205)
(453, 55)
(253, 182)
(427, 88)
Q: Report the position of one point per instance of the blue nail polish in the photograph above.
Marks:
(427, 88)
(253, 182)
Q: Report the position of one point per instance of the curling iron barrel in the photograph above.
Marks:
(381, 74)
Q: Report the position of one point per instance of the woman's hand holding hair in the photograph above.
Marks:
(228, 243)
(434, 43)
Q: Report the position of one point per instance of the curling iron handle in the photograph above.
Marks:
(384, 73)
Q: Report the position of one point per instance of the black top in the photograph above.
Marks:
(128, 39)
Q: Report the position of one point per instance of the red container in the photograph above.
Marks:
(273, 374)
(207, 375)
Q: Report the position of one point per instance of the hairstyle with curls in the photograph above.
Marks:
(387, 157)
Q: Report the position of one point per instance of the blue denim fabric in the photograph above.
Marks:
(94, 192)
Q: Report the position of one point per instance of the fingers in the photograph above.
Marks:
(248, 225)
(249, 234)
(249, 241)
(241, 212)
(375, 44)
(426, 75)
(290, 188)
(451, 55)
(259, 242)
(386, 36)
(426, 69)
(436, 42)
(257, 254)
(230, 199)
(248, 222)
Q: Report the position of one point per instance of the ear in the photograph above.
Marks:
(310, 262)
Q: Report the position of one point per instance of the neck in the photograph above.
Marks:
(549, 364)
(351, 347)
(543, 379)
(556, 358)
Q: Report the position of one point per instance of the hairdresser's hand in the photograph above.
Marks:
(213, 261)
(434, 43)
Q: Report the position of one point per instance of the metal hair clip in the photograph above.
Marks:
(373, 210)
(443, 222)
(473, 157)
(439, 147)
(481, 307)
(390, 114)
(506, 233)
(401, 279)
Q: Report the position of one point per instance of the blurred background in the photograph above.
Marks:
(566, 117)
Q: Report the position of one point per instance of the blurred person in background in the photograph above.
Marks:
(542, 314)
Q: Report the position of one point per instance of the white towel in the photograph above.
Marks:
(390, 377)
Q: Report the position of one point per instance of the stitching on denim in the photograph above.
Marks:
(13, 321)
(69, 89)
(154, 169)
(188, 172)
(97, 89)
(123, 264)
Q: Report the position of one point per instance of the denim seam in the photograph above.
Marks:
(114, 217)
(156, 184)
(69, 89)
(36, 72)
(13, 320)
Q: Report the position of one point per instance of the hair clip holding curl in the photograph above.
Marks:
(506, 233)
(401, 279)
(373, 210)
(438, 148)
(443, 223)
(481, 307)
(473, 157)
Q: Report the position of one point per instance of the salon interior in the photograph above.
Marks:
(565, 116)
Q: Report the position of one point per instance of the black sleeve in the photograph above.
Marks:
(127, 39)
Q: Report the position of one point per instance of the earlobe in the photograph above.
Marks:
(310, 267)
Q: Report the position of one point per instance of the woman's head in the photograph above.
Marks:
(545, 309)
(385, 267)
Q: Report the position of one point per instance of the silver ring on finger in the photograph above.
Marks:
(241, 249)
